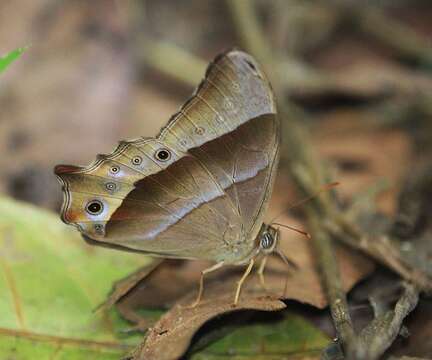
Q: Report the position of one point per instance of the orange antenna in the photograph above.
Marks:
(294, 229)
(325, 187)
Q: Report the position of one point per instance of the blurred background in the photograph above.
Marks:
(355, 76)
(104, 70)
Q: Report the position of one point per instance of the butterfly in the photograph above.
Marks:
(199, 189)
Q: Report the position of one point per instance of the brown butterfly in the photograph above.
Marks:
(199, 190)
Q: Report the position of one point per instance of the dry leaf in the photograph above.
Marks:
(171, 336)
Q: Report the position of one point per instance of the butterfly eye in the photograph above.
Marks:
(267, 241)
(137, 160)
(110, 186)
(163, 155)
(114, 170)
(94, 207)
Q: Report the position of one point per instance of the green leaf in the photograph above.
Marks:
(50, 282)
(10, 58)
(292, 337)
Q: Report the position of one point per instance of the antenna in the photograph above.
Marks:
(293, 229)
(325, 187)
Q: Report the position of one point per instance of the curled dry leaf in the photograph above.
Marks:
(172, 334)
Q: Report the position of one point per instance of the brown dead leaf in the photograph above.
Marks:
(171, 336)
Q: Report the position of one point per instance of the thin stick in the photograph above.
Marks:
(377, 337)
(333, 285)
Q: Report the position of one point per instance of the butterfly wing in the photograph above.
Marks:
(199, 189)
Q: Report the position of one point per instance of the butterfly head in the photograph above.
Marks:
(268, 239)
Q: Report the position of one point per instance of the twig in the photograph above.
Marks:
(377, 337)
(381, 248)
(332, 284)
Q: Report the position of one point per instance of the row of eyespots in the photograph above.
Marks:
(160, 155)
(95, 207)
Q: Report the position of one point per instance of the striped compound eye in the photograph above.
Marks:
(94, 207)
(267, 241)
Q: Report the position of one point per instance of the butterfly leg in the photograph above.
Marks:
(201, 284)
(241, 281)
(260, 273)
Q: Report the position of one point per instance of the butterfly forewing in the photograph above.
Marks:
(199, 190)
